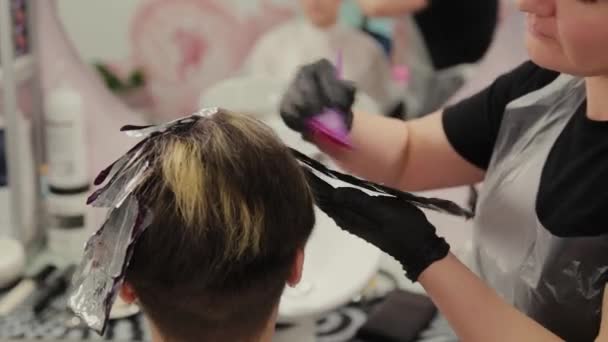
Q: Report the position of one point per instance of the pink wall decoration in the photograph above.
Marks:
(185, 46)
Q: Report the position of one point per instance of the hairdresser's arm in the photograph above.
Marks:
(402, 230)
(411, 155)
(474, 310)
(390, 8)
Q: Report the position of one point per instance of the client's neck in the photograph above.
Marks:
(268, 332)
(266, 335)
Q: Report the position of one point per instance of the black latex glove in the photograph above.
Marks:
(396, 227)
(315, 88)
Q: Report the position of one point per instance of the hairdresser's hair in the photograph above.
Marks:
(231, 208)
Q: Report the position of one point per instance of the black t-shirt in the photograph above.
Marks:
(457, 32)
(573, 192)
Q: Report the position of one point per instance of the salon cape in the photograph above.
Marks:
(556, 281)
(281, 52)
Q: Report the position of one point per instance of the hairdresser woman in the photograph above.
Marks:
(538, 139)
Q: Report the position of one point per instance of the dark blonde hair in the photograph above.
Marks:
(231, 208)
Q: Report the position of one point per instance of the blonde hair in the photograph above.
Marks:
(231, 208)
(187, 176)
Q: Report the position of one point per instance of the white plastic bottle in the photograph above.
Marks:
(67, 173)
(65, 134)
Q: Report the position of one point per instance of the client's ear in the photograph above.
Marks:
(127, 293)
(295, 274)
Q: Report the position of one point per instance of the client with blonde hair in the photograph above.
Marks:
(232, 212)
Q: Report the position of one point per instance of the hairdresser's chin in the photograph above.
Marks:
(563, 41)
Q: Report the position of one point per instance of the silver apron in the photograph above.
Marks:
(556, 281)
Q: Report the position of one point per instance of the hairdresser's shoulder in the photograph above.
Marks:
(472, 124)
(526, 77)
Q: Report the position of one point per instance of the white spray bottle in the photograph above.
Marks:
(68, 179)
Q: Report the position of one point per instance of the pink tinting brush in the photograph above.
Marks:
(330, 123)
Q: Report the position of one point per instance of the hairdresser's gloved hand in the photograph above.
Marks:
(315, 88)
(396, 227)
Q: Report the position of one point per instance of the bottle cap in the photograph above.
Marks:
(63, 100)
